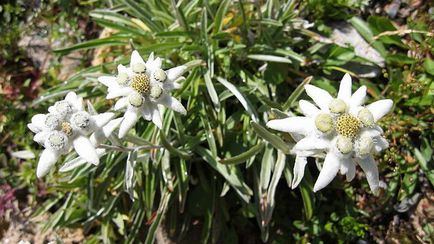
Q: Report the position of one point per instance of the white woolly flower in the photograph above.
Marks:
(142, 87)
(67, 126)
(342, 129)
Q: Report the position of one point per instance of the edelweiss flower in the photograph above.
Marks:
(67, 125)
(341, 128)
(142, 87)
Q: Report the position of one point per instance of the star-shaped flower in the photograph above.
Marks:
(142, 87)
(342, 129)
(67, 126)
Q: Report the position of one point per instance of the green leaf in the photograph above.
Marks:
(211, 90)
(164, 201)
(243, 100)
(429, 66)
(220, 14)
(230, 173)
(243, 157)
(363, 28)
(296, 93)
(271, 138)
(108, 41)
(269, 58)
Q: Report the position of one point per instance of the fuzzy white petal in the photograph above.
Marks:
(109, 81)
(130, 119)
(308, 109)
(156, 117)
(83, 146)
(371, 132)
(136, 58)
(300, 125)
(102, 119)
(300, 164)
(111, 126)
(153, 65)
(380, 108)
(358, 98)
(75, 101)
(174, 73)
(47, 159)
(321, 97)
(328, 172)
(121, 92)
(121, 104)
(172, 85)
(40, 137)
(78, 161)
(348, 168)
(122, 69)
(371, 170)
(151, 57)
(380, 144)
(33, 128)
(147, 112)
(172, 103)
(38, 122)
(311, 143)
(345, 88)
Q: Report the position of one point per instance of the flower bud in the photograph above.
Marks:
(365, 116)
(324, 122)
(135, 99)
(63, 108)
(81, 120)
(344, 144)
(122, 78)
(364, 145)
(156, 92)
(160, 75)
(51, 121)
(139, 67)
(56, 141)
(337, 106)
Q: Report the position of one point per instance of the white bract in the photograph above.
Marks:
(142, 87)
(67, 126)
(342, 129)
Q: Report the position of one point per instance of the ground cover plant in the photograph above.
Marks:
(228, 159)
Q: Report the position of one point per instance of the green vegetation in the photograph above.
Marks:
(223, 176)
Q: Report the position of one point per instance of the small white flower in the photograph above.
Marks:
(142, 87)
(342, 129)
(68, 126)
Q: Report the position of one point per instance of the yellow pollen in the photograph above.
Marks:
(348, 126)
(66, 128)
(141, 83)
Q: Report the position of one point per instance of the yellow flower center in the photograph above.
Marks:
(141, 83)
(66, 128)
(348, 126)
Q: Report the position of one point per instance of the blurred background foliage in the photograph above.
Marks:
(222, 177)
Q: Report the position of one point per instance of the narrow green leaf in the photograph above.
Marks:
(279, 166)
(243, 100)
(180, 15)
(232, 175)
(172, 149)
(269, 58)
(296, 93)
(165, 197)
(243, 157)
(211, 90)
(109, 41)
(220, 14)
(271, 138)
(363, 28)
